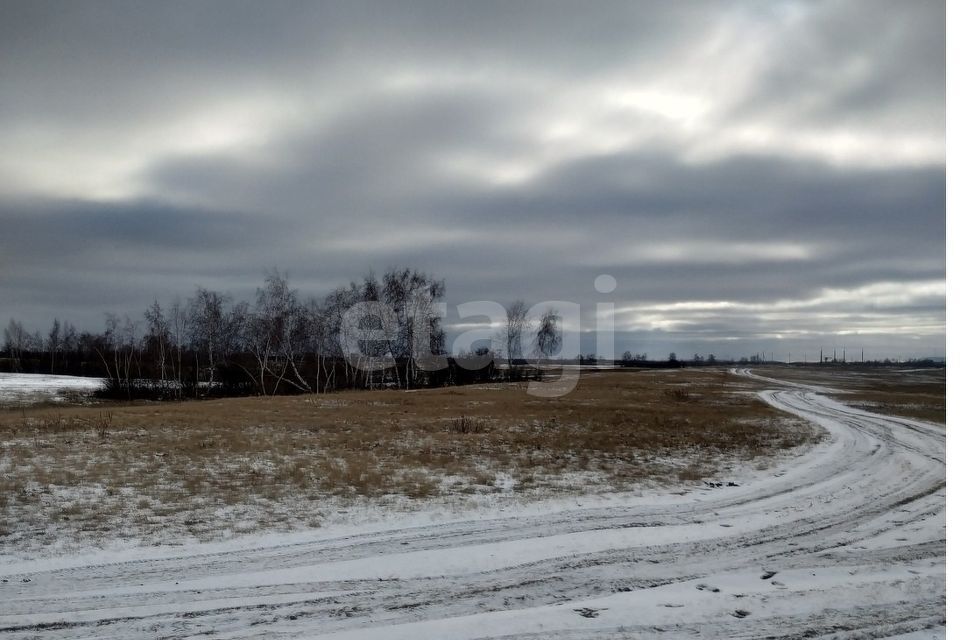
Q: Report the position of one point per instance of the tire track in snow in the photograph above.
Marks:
(851, 535)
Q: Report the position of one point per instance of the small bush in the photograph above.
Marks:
(465, 424)
(680, 394)
(102, 424)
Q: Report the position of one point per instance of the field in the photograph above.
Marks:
(77, 476)
(645, 503)
(903, 391)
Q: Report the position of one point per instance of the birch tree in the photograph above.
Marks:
(518, 323)
(15, 342)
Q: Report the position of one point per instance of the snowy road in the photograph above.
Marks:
(847, 540)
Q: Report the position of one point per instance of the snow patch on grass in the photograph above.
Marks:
(23, 389)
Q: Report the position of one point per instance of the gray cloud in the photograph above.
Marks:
(769, 168)
(844, 62)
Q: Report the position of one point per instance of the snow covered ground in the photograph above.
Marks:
(847, 540)
(29, 388)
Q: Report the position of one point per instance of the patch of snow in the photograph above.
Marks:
(29, 388)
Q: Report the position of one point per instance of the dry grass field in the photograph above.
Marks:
(909, 392)
(205, 469)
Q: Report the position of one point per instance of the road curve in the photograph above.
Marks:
(845, 541)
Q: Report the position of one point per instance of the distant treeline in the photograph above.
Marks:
(375, 333)
(379, 332)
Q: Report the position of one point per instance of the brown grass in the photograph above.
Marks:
(903, 391)
(150, 467)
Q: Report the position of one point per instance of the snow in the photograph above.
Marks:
(29, 388)
(679, 604)
(846, 540)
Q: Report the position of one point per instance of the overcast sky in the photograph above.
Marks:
(756, 175)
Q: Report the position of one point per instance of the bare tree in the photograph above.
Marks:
(411, 297)
(16, 340)
(157, 337)
(517, 324)
(119, 346)
(382, 325)
(336, 307)
(69, 343)
(277, 333)
(54, 343)
(178, 320)
(322, 326)
(208, 328)
(108, 349)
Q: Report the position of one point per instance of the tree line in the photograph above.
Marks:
(376, 332)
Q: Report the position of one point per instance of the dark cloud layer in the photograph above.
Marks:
(756, 175)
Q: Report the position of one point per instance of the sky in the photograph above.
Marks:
(756, 175)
